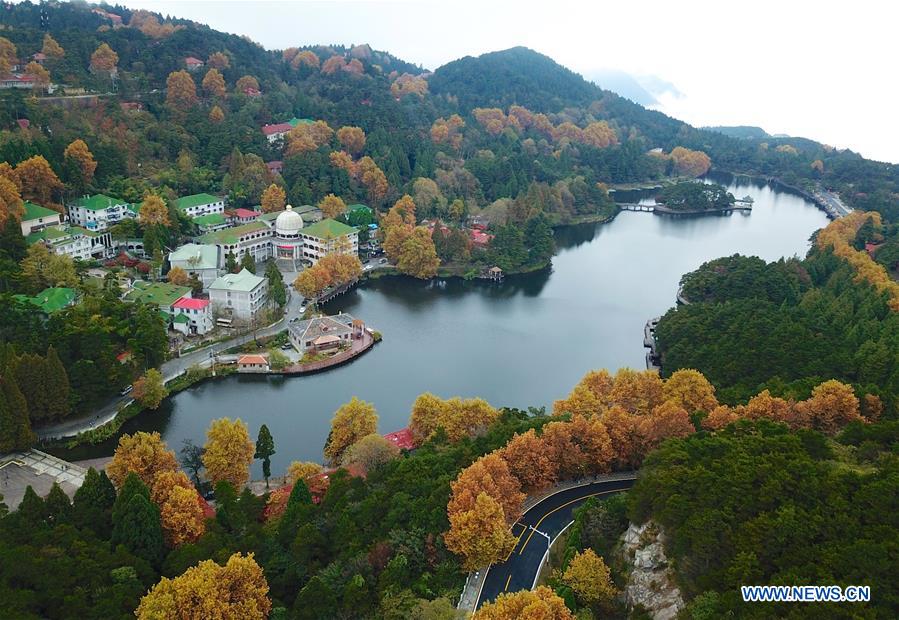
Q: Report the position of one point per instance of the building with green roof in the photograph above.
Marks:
(241, 294)
(37, 217)
(200, 204)
(299, 121)
(98, 211)
(329, 237)
(52, 299)
(210, 222)
(201, 261)
(162, 294)
(74, 241)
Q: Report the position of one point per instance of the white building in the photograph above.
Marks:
(37, 217)
(240, 295)
(99, 212)
(192, 316)
(73, 241)
(254, 239)
(197, 260)
(200, 204)
(329, 237)
(288, 239)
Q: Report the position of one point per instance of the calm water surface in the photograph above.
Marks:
(523, 343)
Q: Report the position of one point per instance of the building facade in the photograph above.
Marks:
(37, 217)
(74, 241)
(200, 204)
(325, 333)
(192, 316)
(99, 212)
(239, 295)
(329, 237)
(200, 261)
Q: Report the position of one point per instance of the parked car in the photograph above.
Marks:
(127, 390)
(383, 261)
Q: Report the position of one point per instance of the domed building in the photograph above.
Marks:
(288, 239)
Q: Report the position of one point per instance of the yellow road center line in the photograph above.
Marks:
(583, 497)
(507, 583)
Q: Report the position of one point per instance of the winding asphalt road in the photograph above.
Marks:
(549, 517)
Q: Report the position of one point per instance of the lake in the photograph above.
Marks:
(521, 343)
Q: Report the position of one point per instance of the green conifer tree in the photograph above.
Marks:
(139, 529)
(15, 427)
(132, 486)
(57, 385)
(92, 505)
(58, 506)
(265, 448)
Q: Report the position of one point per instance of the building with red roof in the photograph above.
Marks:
(402, 439)
(242, 216)
(276, 131)
(480, 238)
(252, 363)
(23, 123)
(192, 316)
(193, 63)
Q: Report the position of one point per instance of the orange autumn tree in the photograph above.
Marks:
(214, 83)
(448, 131)
(181, 516)
(216, 114)
(407, 84)
(306, 58)
(530, 461)
(153, 211)
(307, 137)
(11, 204)
(79, 157)
(181, 91)
(418, 254)
(541, 603)
(245, 83)
(599, 134)
(274, 198)
(332, 206)
(236, 590)
(351, 422)
(480, 534)
(373, 178)
(52, 49)
(489, 474)
(352, 139)
(637, 391)
(38, 183)
(218, 60)
(145, 454)
(831, 407)
(39, 74)
(690, 163)
(104, 59)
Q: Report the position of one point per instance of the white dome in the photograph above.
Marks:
(288, 222)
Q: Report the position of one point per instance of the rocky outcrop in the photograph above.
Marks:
(650, 581)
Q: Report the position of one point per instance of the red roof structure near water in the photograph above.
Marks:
(252, 359)
(402, 439)
(245, 213)
(189, 303)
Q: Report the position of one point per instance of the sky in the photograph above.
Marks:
(821, 70)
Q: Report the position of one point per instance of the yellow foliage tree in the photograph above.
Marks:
(333, 64)
(181, 91)
(352, 139)
(599, 134)
(214, 83)
(352, 421)
(418, 255)
(637, 391)
(11, 204)
(274, 198)
(7, 55)
(690, 389)
(719, 417)
(373, 178)
(539, 604)
(145, 454)
(104, 59)
(480, 535)
(38, 183)
(832, 406)
(153, 211)
(690, 163)
(236, 590)
(37, 73)
(245, 83)
(218, 60)
(165, 481)
(590, 579)
(216, 114)
(530, 461)
(407, 84)
(332, 206)
(182, 516)
(299, 470)
(81, 157)
(177, 275)
(489, 474)
(228, 452)
(306, 58)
